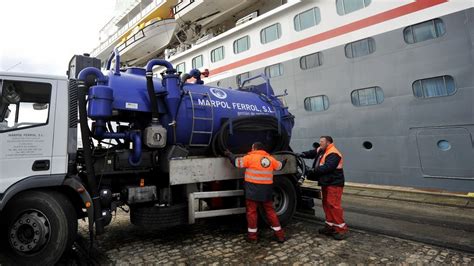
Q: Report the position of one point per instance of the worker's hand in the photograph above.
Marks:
(299, 154)
(310, 174)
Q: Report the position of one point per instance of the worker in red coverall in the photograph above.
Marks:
(258, 186)
(328, 171)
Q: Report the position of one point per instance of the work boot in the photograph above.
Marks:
(340, 235)
(326, 230)
(252, 238)
(280, 236)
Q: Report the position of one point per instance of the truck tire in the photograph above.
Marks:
(40, 226)
(284, 200)
(155, 217)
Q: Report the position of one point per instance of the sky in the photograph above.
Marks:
(41, 36)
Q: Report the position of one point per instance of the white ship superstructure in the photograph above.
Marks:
(391, 81)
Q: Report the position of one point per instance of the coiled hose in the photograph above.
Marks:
(249, 124)
(301, 164)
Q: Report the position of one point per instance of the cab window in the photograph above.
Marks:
(23, 104)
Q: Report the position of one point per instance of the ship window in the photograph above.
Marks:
(181, 67)
(434, 87)
(307, 19)
(424, 31)
(347, 6)
(367, 96)
(311, 61)
(270, 33)
(444, 145)
(197, 61)
(274, 70)
(367, 145)
(242, 44)
(217, 54)
(360, 48)
(242, 77)
(316, 103)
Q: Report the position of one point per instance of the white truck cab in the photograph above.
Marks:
(33, 128)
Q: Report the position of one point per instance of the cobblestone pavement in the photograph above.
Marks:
(221, 241)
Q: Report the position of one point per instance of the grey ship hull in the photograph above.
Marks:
(403, 130)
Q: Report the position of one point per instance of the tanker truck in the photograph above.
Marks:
(150, 144)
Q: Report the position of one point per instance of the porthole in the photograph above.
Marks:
(444, 145)
(367, 145)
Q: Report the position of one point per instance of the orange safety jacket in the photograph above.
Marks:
(332, 149)
(259, 167)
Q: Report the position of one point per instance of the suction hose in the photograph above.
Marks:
(300, 163)
(250, 124)
(86, 143)
(151, 88)
(151, 94)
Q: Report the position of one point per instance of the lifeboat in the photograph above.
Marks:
(146, 40)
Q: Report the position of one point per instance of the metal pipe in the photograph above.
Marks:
(115, 54)
(100, 132)
(135, 157)
(158, 62)
(101, 79)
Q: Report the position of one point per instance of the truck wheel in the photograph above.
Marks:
(40, 227)
(156, 217)
(284, 200)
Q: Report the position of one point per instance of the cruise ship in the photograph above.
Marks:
(391, 80)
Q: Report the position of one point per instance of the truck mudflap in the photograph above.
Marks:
(75, 184)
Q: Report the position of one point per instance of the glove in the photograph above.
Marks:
(227, 153)
(283, 163)
(230, 155)
(299, 154)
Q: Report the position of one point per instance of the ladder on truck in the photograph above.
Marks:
(206, 119)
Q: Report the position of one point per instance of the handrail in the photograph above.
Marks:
(263, 76)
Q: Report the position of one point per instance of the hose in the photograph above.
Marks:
(82, 90)
(255, 124)
(151, 88)
(301, 164)
(151, 94)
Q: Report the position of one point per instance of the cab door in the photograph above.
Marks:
(26, 128)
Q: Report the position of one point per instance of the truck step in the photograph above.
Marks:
(193, 214)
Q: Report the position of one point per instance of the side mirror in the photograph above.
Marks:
(10, 94)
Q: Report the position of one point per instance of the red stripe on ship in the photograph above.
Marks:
(357, 25)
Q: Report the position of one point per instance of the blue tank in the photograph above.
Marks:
(194, 115)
